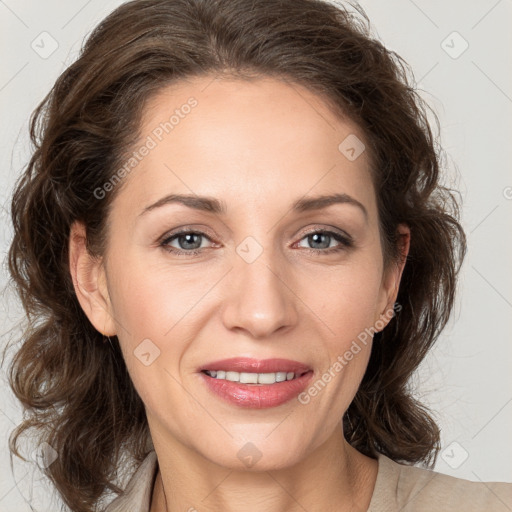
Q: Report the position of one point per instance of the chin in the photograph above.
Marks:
(255, 456)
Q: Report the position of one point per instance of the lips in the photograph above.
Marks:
(250, 365)
(256, 396)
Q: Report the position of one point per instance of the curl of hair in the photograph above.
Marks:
(76, 390)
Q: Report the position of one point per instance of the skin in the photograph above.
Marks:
(258, 146)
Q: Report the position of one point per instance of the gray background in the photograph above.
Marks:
(466, 379)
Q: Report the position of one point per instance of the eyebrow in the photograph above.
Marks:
(213, 205)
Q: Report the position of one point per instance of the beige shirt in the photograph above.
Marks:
(398, 488)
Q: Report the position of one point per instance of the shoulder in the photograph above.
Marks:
(137, 494)
(410, 488)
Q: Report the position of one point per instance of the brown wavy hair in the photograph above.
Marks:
(75, 389)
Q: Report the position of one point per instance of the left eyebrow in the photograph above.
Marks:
(318, 202)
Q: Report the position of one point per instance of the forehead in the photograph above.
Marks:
(245, 141)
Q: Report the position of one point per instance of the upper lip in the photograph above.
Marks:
(248, 364)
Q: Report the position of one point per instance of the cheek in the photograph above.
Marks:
(159, 311)
(150, 299)
(347, 300)
(347, 305)
(148, 311)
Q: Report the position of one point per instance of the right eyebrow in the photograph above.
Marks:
(204, 203)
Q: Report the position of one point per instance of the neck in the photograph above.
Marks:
(336, 477)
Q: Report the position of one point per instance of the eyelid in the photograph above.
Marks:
(327, 229)
(205, 232)
(344, 240)
(185, 230)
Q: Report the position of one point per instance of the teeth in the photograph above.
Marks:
(281, 376)
(251, 378)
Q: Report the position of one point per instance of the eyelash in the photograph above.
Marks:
(346, 242)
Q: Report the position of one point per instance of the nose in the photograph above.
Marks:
(259, 297)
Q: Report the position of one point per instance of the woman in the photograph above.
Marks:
(225, 241)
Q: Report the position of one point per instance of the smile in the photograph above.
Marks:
(252, 378)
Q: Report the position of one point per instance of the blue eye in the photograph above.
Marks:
(319, 237)
(190, 242)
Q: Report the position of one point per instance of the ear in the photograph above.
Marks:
(391, 278)
(89, 281)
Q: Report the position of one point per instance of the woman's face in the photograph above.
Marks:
(261, 280)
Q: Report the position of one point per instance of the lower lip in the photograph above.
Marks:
(255, 396)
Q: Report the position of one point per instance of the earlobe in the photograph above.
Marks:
(89, 282)
(392, 280)
(404, 241)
